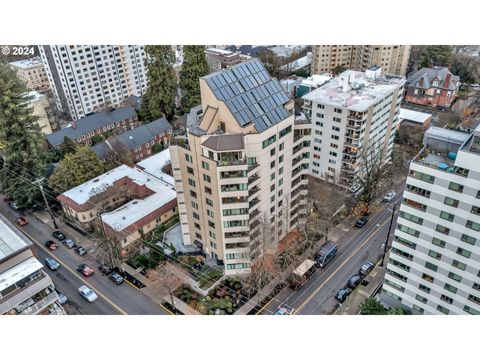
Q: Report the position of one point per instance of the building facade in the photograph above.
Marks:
(39, 103)
(139, 141)
(435, 255)
(433, 87)
(353, 115)
(125, 202)
(32, 73)
(218, 59)
(25, 288)
(107, 122)
(241, 173)
(85, 79)
(393, 59)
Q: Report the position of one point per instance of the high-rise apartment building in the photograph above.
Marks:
(241, 174)
(86, 78)
(393, 59)
(434, 264)
(353, 114)
(25, 288)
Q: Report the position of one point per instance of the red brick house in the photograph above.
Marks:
(433, 87)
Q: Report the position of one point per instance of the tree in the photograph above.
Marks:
(373, 173)
(157, 147)
(118, 151)
(68, 146)
(467, 67)
(111, 248)
(271, 62)
(97, 138)
(439, 55)
(193, 68)
(339, 69)
(23, 154)
(159, 99)
(372, 306)
(75, 169)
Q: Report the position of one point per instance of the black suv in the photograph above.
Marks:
(59, 235)
(361, 222)
(342, 294)
(354, 281)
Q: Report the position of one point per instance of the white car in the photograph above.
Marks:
(389, 196)
(87, 293)
(284, 310)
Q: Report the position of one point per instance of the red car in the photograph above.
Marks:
(85, 270)
(22, 221)
(51, 245)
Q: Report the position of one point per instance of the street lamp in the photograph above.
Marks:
(385, 246)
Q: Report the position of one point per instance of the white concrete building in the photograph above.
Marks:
(87, 78)
(434, 265)
(354, 112)
(241, 174)
(25, 288)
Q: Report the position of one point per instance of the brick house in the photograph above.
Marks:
(433, 87)
(139, 140)
(81, 132)
(126, 202)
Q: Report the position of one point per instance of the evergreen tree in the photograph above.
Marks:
(193, 68)
(68, 146)
(22, 150)
(439, 55)
(159, 99)
(75, 169)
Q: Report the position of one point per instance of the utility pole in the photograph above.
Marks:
(385, 246)
(39, 181)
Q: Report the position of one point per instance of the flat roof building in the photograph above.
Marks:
(32, 73)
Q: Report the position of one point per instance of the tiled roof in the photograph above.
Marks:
(424, 77)
(227, 142)
(90, 123)
(250, 94)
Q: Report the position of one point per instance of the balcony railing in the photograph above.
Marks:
(253, 190)
(253, 214)
(231, 162)
(253, 178)
(252, 166)
(253, 202)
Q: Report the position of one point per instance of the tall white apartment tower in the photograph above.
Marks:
(353, 113)
(241, 173)
(434, 264)
(88, 78)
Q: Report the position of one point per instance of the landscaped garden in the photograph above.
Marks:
(224, 299)
(204, 274)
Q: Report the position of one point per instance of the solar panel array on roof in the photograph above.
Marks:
(250, 94)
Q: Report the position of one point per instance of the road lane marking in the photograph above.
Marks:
(163, 307)
(264, 306)
(76, 275)
(309, 298)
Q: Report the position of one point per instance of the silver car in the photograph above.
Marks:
(69, 243)
(87, 293)
(389, 196)
(62, 298)
(51, 264)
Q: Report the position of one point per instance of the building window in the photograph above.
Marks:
(411, 217)
(418, 308)
(468, 239)
(408, 230)
(423, 177)
(191, 182)
(446, 216)
(472, 225)
(450, 202)
(281, 147)
(427, 277)
(194, 205)
(188, 158)
(459, 265)
(442, 229)
(442, 309)
(430, 266)
(424, 288)
(190, 170)
(285, 131)
(206, 178)
(474, 299)
(222, 126)
(269, 141)
(280, 159)
(438, 242)
(210, 213)
(455, 187)
(421, 299)
(471, 311)
(435, 254)
(205, 165)
(454, 276)
(272, 152)
(464, 252)
(450, 288)
(447, 299)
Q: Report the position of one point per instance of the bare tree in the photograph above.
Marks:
(118, 152)
(111, 248)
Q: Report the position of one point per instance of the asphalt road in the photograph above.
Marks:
(112, 299)
(317, 295)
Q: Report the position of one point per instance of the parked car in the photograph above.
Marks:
(14, 206)
(52, 245)
(85, 270)
(389, 196)
(354, 281)
(116, 278)
(22, 221)
(105, 269)
(361, 222)
(62, 298)
(366, 268)
(59, 235)
(69, 243)
(284, 310)
(81, 250)
(51, 264)
(87, 293)
(342, 294)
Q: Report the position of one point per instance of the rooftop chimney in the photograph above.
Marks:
(447, 79)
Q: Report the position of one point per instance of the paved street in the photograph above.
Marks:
(112, 299)
(316, 296)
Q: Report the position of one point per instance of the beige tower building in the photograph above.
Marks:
(393, 59)
(241, 174)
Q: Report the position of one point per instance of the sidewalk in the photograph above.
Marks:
(351, 306)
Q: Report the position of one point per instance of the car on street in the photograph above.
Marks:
(85, 270)
(342, 294)
(87, 293)
(14, 205)
(284, 310)
(22, 221)
(59, 235)
(389, 196)
(52, 245)
(354, 281)
(116, 278)
(366, 268)
(52, 264)
(105, 269)
(81, 250)
(69, 243)
(62, 298)
(361, 222)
